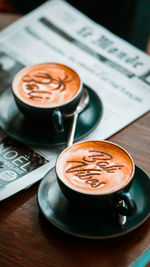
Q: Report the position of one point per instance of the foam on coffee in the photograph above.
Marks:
(46, 85)
(95, 167)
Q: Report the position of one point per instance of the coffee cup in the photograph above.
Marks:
(45, 92)
(97, 176)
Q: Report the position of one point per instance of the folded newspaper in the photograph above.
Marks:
(117, 71)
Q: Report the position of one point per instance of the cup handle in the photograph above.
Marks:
(58, 121)
(131, 208)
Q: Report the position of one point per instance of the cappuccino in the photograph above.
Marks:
(46, 85)
(95, 167)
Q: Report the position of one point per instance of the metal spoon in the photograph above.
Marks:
(81, 106)
(121, 218)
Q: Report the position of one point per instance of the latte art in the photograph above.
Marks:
(46, 84)
(84, 170)
(95, 167)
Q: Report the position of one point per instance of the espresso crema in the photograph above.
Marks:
(95, 167)
(46, 85)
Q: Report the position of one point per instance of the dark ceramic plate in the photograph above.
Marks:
(58, 211)
(14, 124)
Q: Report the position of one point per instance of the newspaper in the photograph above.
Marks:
(20, 166)
(117, 71)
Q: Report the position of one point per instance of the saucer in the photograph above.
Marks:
(60, 213)
(15, 125)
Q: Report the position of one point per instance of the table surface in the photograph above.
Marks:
(28, 239)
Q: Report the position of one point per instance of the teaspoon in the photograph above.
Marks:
(81, 106)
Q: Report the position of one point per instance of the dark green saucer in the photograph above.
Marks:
(14, 124)
(59, 212)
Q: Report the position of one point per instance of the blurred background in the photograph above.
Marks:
(129, 19)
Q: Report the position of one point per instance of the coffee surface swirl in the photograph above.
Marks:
(95, 167)
(46, 84)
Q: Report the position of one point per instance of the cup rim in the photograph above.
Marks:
(50, 107)
(98, 194)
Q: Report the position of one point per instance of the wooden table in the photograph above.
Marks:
(28, 239)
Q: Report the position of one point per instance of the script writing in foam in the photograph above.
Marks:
(85, 170)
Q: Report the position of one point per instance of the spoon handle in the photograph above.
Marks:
(121, 218)
(72, 129)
